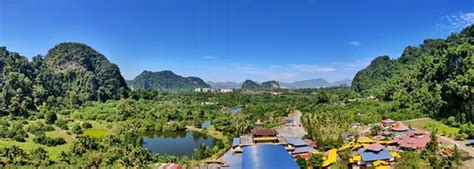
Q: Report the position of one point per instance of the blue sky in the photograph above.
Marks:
(284, 40)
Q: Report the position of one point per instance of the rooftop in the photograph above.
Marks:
(399, 127)
(368, 155)
(267, 156)
(413, 139)
(295, 141)
(388, 121)
(305, 149)
(263, 132)
(375, 147)
(235, 142)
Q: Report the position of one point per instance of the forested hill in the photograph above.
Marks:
(166, 80)
(251, 85)
(436, 77)
(70, 73)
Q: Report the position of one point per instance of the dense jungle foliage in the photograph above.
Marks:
(73, 108)
(435, 78)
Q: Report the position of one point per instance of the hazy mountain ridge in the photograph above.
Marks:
(165, 80)
(311, 83)
(314, 83)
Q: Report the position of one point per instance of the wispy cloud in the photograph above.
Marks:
(311, 68)
(354, 43)
(209, 57)
(455, 22)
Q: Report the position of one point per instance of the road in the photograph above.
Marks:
(296, 130)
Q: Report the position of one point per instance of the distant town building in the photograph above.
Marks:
(213, 90)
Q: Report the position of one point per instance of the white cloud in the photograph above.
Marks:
(311, 68)
(354, 43)
(453, 23)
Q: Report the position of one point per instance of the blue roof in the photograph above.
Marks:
(235, 142)
(232, 160)
(267, 156)
(469, 142)
(304, 149)
(295, 141)
(368, 155)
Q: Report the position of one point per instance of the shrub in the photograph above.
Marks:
(51, 118)
(48, 141)
(61, 123)
(76, 129)
(86, 125)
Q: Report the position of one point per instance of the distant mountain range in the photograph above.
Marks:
(315, 83)
(312, 83)
(165, 80)
(168, 80)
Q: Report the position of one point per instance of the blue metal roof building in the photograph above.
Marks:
(295, 141)
(368, 155)
(235, 142)
(267, 156)
(305, 149)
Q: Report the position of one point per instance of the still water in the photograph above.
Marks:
(177, 143)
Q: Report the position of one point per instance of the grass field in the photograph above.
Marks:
(54, 152)
(96, 132)
(99, 129)
(431, 124)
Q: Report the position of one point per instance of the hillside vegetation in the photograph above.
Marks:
(70, 73)
(166, 80)
(435, 78)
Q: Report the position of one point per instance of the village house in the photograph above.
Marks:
(415, 139)
(264, 135)
(375, 155)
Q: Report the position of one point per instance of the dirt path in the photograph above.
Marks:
(418, 119)
(459, 144)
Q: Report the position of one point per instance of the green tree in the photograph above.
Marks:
(51, 117)
(301, 162)
(316, 161)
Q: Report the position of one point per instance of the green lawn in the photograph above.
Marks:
(96, 132)
(99, 129)
(431, 124)
(53, 152)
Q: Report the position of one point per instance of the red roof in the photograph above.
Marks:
(264, 132)
(310, 143)
(304, 155)
(375, 147)
(414, 139)
(399, 127)
(388, 121)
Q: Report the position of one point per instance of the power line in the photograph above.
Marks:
(194, 37)
(209, 40)
(227, 40)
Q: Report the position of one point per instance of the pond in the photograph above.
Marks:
(178, 143)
